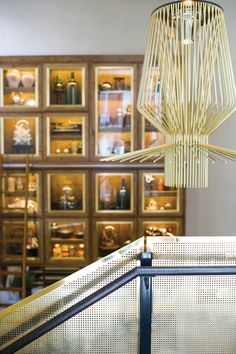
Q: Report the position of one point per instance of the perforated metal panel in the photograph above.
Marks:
(191, 314)
(110, 324)
(194, 314)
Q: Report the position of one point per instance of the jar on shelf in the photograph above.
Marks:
(11, 184)
(27, 79)
(119, 83)
(13, 77)
(57, 250)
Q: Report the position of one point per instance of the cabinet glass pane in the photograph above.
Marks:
(66, 136)
(151, 136)
(67, 239)
(20, 87)
(114, 193)
(112, 235)
(156, 197)
(114, 110)
(161, 228)
(14, 185)
(66, 85)
(13, 235)
(19, 135)
(66, 192)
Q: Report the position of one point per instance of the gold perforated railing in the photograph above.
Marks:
(191, 314)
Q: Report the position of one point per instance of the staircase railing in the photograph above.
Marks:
(146, 272)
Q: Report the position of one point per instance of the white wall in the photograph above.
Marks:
(45, 27)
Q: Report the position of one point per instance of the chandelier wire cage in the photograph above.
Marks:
(187, 90)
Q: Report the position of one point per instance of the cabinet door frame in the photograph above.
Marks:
(116, 173)
(75, 65)
(38, 138)
(93, 109)
(162, 220)
(112, 221)
(46, 135)
(161, 213)
(37, 84)
(67, 213)
(75, 262)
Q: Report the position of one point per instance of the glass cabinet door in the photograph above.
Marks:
(162, 227)
(68, 240)
(151, 137)
(66, 192)
(66, 136)
(19, 135)
(19, 87)
(13, 235)
(114, 110)
(65, 85)
(114, 193)
(13, 188)
(158, 198)
(112, 235)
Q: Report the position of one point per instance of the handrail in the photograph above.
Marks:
(145, 271)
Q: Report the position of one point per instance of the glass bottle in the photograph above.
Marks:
(123, 195)
(72, 90)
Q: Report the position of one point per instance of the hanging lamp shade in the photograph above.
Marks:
(187, 90)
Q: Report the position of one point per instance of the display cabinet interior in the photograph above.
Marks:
(14, 193)
(66, 192)
(19, 87)
(19, 135)
(114, 110)
(151, 137)
(65, 85)
(158, 198)
(68, 240)
(112, 235)
(66, 136)
(162, 227)
(114, 193)
(13, 236)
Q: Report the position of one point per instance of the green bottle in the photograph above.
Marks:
(72, 90)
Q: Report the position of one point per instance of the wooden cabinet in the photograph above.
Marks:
(67, 112)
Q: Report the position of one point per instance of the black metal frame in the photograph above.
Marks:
(145, 272)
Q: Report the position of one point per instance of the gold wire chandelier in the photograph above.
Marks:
(187, 90)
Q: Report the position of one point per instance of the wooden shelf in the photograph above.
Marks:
(19, 89)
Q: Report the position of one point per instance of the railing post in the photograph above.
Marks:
(145, 324)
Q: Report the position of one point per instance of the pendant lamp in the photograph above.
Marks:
(187, 90)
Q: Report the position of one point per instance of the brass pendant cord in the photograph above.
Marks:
(187, 90)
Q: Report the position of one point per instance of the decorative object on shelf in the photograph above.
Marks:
(149, 181)
(155, 231)
(152, 205)
(109, 238)
(67, 200)
(13, 77)
(32, 243)
(119, 146)
(19, 184)
(17, 98)
(11, 184)
(160, 183)
(72, 95)
(106, 85)
(27, 79)
(187, 90)
(123, 196)
(22, 137)
(119, 83)
(20, 203)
